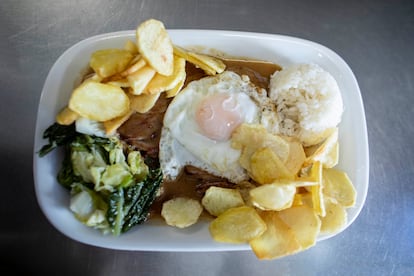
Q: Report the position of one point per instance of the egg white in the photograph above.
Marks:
(182, 142)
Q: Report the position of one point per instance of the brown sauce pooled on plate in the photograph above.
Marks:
(259, 72)
(143, 132)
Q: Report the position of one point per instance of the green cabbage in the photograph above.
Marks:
(89, 207)
(111, 186)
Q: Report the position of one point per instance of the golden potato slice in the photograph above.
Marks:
(154, 44)
(317, 190)
(181, 52)
(273, 196)
(297, 182)
(173, 92)
(306, 199)
(108, 62)
(217, 200)
(66, 116)
(134, 67)
(131, 47)
(327, 152)
(162, 83)
(215, 65)
(337, 185)
(144, 102)
(98, 101)
(113, 78)
(298, 200)
(277, 241)
(112, 125)
(266, 167)
(208, 64)
(244, 188)
(123, 83)
(304, 222)
(181, 212)
(93, 77)
(237, 225)
(249, 138)
(335, 219)
(139, 80)
(296, 156)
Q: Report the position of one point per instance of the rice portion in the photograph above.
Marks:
(308, 102)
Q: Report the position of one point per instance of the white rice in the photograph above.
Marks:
(308, 102)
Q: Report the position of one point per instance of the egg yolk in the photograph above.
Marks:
(218, 116)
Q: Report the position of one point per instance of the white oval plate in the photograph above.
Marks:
(155, 235)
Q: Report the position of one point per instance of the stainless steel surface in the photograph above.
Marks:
(375, 38)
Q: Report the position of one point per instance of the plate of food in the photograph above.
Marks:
(200, 140)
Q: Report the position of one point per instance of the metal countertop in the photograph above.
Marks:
(375, 38)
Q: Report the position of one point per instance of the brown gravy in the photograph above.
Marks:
(183, 186)
(187, 185)
(259, 72)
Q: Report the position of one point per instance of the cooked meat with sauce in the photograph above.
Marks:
(143, 130)
(204, 180)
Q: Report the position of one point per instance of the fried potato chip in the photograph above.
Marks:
(298, 200)
(266, 167)
(335, 219)
(98, 101)
(304, 222)
(173, 92)
(337, 185)
(210, 65)
(123, 83)
(296, 156)
(249, 138)
(317, 190)
(237, 225)
(181, 212)
(305, 198)
(181, 52)
(66, 116)
(109, 62)
(244, 188)
(162, 83)
(217, 200)
(112, 125)
(114, 78)
(154, 44)
(297, 182)
(134, 67)
(131, 47)
(273, 196)
(139, 80)
(278, 240)
(327, 152)
(216, 65)
(144, 102)
(93, 77)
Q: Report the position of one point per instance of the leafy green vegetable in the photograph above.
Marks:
(130, 206)
(58, 135)
(66, 177)
(88, 206)
(105, 163)
(140, 210)
(112, 187)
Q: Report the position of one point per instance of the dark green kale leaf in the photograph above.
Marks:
(58, 135)
(140, 210)
(66, 176)
(130, 206)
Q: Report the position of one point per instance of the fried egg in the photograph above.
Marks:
(199, 122)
